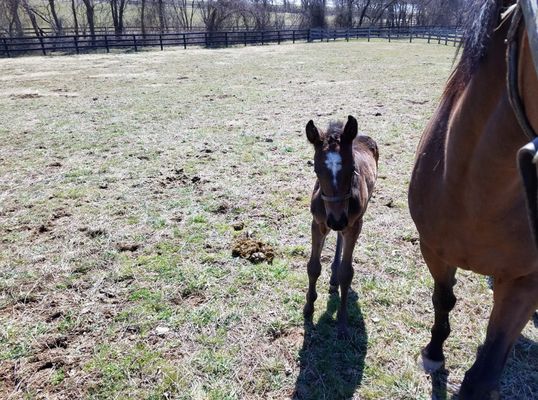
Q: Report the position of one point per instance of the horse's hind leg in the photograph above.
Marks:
(514, 303)
(443, 302)
(319, 232)
(345, 275)
(333, 284)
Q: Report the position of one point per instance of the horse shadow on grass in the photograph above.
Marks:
(519, 379)
(332, 368)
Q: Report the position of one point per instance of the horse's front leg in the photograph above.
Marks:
(345, 274)
(514, 301)
(319, 233)
(443, 302)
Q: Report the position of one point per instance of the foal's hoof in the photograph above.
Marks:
(427, 364)
(333, 289)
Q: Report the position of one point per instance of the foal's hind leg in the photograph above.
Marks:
(514, 303)
(319, 232)
(443, 302)
(345, 275)
(333, 284)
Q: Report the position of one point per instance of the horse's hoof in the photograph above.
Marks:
(491, 395)
(428, 365)
(479, 391)
(333, 289)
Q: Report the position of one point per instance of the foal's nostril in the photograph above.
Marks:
(337, 225)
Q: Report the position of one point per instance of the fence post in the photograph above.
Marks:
(293, 35)
(184, 41)
(6, 47)
(429, 36)
(262, 36)
(106, 43)
(205, 38)
(278, 36)
(134, 43)
(446, 39)
(226, 38)
(368, 33)
(75, 39)
(411, 35)
(308, 38)
(347, 35)
(389, 34)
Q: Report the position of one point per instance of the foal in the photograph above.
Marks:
(346, 169)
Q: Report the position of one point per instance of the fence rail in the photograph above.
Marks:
(10, 47)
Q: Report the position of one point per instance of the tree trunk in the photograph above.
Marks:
(75, 19)
(90, 16)
(363, 12)
(31, 16)
(57, 23)
(142, 17)
(161, 15)
(15, 19)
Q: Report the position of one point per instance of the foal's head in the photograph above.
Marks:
(334, 166)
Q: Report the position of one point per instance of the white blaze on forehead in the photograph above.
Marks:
(334, 163)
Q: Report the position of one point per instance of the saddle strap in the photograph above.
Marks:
(527, 162)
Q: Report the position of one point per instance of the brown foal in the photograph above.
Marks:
(346, 170)
(466, 195)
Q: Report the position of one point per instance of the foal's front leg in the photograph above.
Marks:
(319, 233)
(345, 275)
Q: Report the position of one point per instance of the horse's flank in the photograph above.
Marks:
(465, 178)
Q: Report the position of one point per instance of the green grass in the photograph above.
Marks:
(122, 180)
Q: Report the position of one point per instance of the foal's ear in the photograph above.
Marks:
(350, 130)
(312, 133)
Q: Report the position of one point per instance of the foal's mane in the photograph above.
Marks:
(334, 131)
(481, 19)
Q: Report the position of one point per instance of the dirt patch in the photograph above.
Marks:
(253, 250)
(25, 96)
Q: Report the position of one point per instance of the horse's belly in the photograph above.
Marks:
(482, 245)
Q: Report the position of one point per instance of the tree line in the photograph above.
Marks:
(40, 17)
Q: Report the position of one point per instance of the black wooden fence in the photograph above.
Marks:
(10, 47)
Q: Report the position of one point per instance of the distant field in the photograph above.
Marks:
(123, 179)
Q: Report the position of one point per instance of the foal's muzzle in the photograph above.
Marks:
(337, 225)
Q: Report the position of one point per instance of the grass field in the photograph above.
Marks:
(125, 180)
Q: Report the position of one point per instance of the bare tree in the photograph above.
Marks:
(90, 15)
(216, 14)
(161, 13)
(75, 18)
(314, 13)
(344, 13)
(10, 18)
(256, 14)
(117, 7)
(183, 13)
(56, 21)
(31, 13)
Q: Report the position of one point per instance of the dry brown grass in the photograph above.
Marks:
(123, 179)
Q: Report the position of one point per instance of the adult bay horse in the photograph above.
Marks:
(466, 196)
(346, 168)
